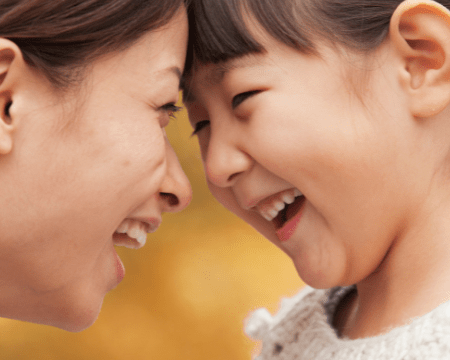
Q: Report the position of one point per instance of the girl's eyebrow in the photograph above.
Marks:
(213, 77)
(220, 70)
(216, 75)
(188, 96)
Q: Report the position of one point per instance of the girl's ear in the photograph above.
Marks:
(11, 66)
(420, 32)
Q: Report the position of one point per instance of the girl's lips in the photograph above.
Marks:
(285, 232)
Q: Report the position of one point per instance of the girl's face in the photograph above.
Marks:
(277, 124)
(79, 168)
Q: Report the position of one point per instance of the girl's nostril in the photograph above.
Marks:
(231, 177)
(172, 199)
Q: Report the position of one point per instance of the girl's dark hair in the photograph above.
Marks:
(59, 37)
(218, 30)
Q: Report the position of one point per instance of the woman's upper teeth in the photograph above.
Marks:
(134, 229)
(270, 208)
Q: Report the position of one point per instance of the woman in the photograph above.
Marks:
(86, 89)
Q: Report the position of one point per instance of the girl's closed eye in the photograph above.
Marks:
(199, 126)
(240, 98)
(237, 100)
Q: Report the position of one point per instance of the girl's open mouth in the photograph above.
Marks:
(288, 212)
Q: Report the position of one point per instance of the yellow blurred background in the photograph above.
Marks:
(185, 294)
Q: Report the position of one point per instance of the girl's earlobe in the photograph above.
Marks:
(419, 31)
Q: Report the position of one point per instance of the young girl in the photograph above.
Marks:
(86, 89)
(325, 124)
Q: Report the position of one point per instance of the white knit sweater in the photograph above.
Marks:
(301, 330)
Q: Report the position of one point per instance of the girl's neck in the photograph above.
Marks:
(412, 280)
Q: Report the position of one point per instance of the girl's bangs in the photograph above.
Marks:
(218, 32)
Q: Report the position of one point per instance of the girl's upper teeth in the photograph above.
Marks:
(134, 229)
(269, 209)
(288, 198)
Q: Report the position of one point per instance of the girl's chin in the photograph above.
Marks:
(317, 276)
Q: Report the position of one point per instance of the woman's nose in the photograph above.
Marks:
(225, 161)
(175, 192)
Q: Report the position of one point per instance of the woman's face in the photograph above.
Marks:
(280, 123)
(80, 167)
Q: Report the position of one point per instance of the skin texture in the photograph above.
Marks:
(74, 167)
(365, 139)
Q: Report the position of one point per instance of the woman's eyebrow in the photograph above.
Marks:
(168, 71)
(162, 74)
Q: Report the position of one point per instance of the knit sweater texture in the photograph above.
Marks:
(301, 330)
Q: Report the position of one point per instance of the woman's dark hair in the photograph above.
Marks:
(218, 30)
(59, 37)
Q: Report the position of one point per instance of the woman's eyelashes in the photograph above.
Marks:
(171, 109)
(168, 112)
(240, 98)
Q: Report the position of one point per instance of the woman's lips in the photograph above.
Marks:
(120, 268)
(132, 233)
(292, 217)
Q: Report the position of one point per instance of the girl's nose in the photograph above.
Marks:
(175, 192)
(225, 161)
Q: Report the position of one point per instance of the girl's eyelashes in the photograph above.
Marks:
(240, 98)
(199, 126)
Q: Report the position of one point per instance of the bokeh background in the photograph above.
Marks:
(185, 295)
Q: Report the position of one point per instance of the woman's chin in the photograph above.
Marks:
(70, 311)
(75, 319)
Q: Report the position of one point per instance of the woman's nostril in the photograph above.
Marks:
(171, 199)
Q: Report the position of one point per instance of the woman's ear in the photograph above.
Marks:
(11, 64)
(420, 32)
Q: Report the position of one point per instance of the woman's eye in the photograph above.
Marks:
(171, 109)
(240, 98)
(199, 126)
